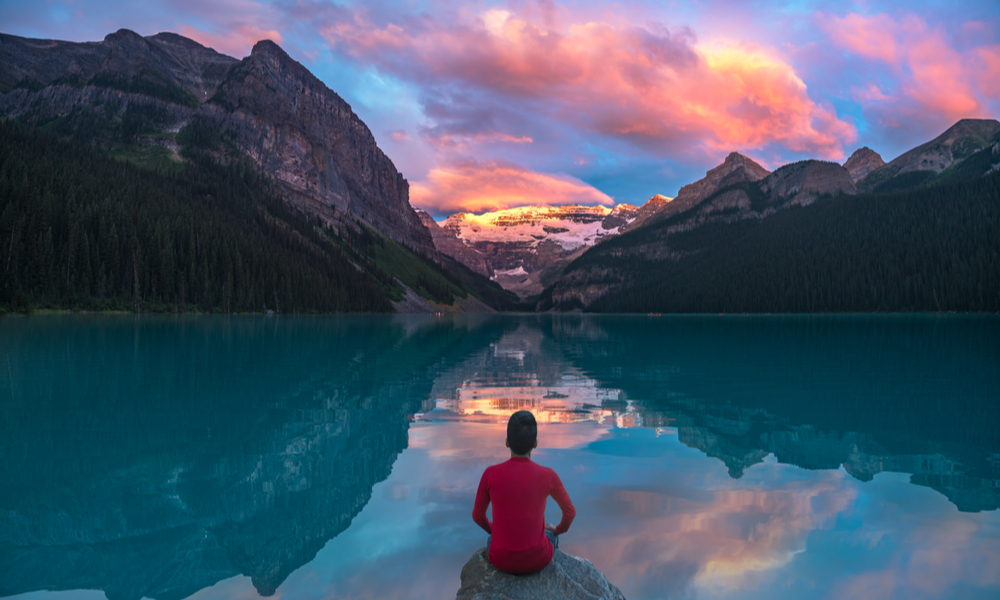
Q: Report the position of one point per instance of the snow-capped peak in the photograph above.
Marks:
(570, 226)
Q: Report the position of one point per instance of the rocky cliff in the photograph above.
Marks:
(290, 124)
(862, 162)
(275, 112)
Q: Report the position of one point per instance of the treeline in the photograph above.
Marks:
(81, 230)
(925, 249)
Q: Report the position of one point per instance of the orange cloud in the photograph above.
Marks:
(935, 77)
(651, 89)
(236, 42)
(472, 186)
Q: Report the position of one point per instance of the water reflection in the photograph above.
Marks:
(707, 456)
(157, 457)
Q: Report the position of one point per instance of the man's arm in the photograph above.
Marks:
(482, 501)
(558, 493)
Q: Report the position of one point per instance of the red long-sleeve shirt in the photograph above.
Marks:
(518, 490)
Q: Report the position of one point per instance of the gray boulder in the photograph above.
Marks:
(569, 577)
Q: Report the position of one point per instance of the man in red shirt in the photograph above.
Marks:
(520, 542)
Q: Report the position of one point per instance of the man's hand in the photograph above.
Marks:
(551, 527)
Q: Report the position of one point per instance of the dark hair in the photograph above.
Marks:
(522, 431)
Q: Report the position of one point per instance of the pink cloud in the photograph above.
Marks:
(651, 89)
(872, 37)
(989, 79)
(399, 136)
(473, 186)
(465, 142)
(934, 78)
(237, 41)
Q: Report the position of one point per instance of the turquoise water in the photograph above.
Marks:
(338, 457)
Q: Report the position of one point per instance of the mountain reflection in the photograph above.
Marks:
(156, 457)
(910, 394)
(914, 395)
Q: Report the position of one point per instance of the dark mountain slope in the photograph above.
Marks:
(953, 155)
(83, 230)
(146, 101)
(927, 249)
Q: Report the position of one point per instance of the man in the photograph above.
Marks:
(520, 542)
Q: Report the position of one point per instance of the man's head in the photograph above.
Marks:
(522, 432)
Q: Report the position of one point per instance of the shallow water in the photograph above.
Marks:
(338, 457)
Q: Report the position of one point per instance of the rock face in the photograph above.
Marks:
(295, 127)
(567, 577)
(804, 181)
(959, 142)
(280, 116)
(448, 243)
(862, 162)
(735, 169)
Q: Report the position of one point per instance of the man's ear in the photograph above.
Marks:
(506, 443)
(536, 443)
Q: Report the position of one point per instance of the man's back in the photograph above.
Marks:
(518, 490)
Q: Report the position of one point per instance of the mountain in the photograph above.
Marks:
(270, 107)
(524, 248)
(802, 239)
(955, 154)
(735, 169)
(862, 162)
(198, 123)
(164, 66)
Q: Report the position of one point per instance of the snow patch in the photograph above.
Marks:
(510, 273)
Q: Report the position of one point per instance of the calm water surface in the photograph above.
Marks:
(338, 457)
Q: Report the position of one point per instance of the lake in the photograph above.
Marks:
(338, 456)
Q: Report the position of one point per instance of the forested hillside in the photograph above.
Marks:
(82, 229)
(933, 248)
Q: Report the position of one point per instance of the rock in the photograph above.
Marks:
(567, 577)
(862, 162)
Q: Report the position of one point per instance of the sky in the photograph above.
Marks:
(490, 105)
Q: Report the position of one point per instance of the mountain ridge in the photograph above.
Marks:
(280, 115)
(673, 239)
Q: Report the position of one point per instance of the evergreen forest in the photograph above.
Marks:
(82, 229)
(925, 249)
